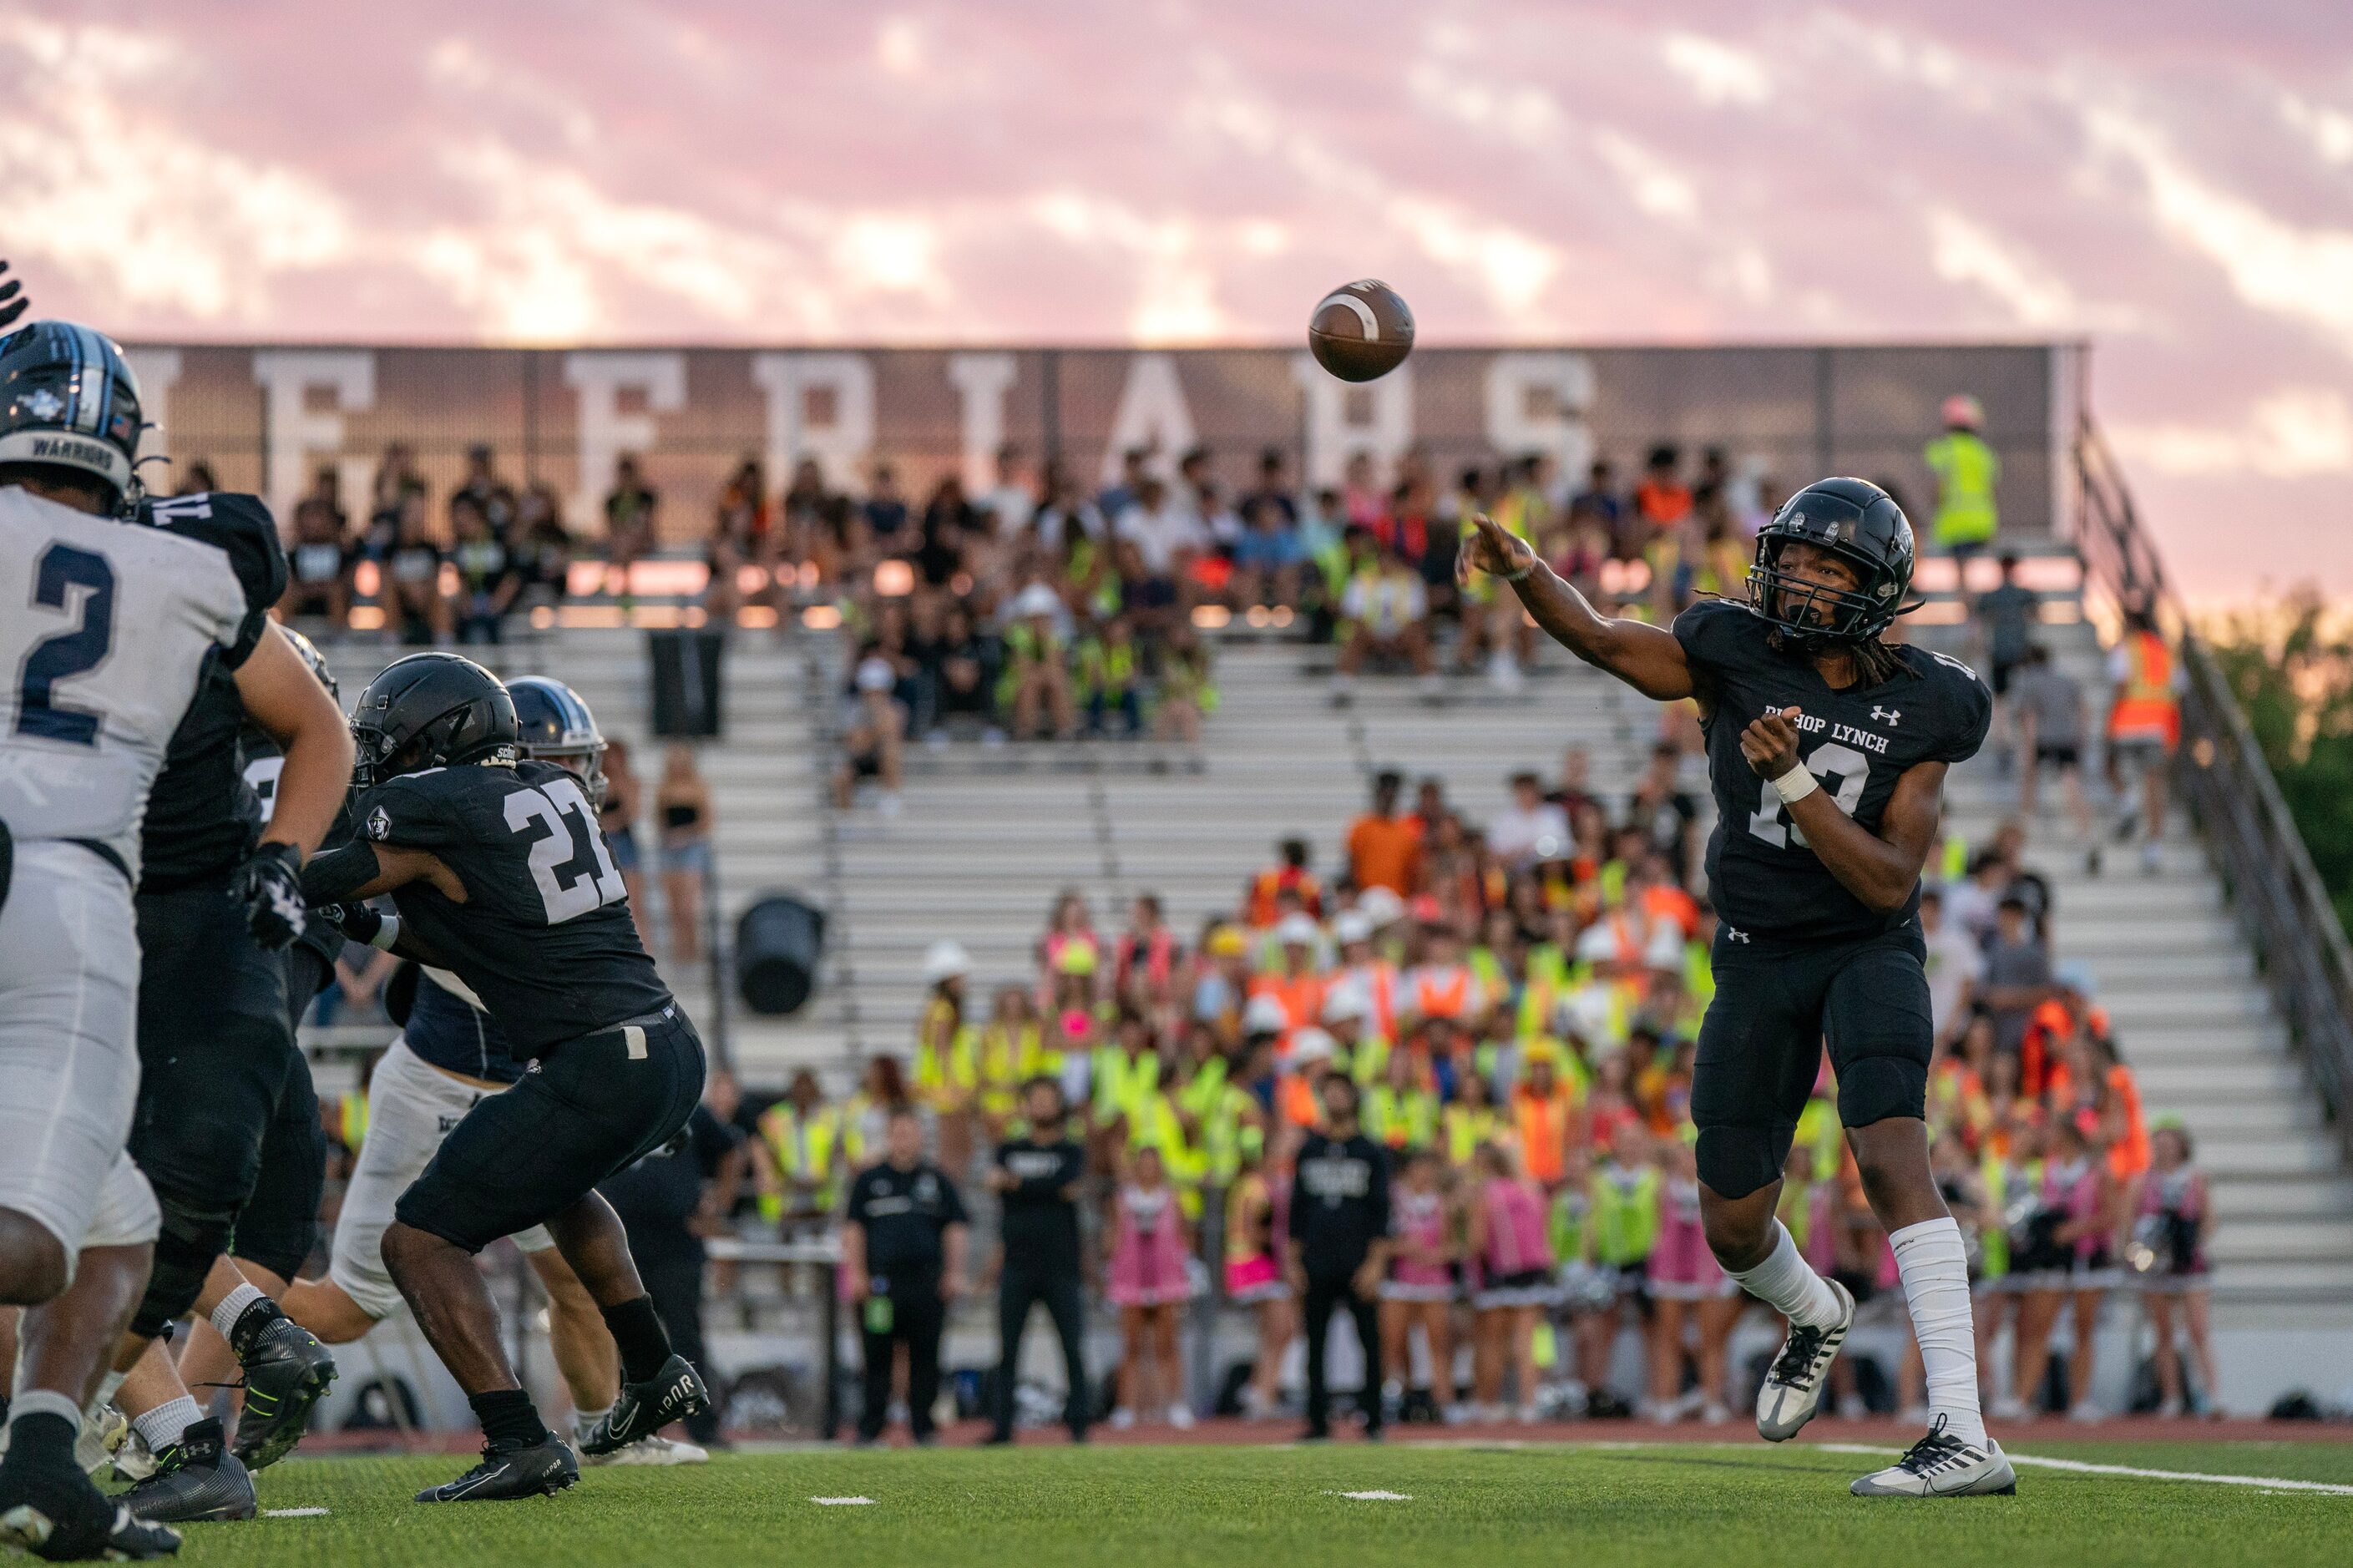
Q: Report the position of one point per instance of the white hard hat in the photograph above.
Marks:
(1381, 906)
(1037, 599)
(1296, 930)
(1346, 1000)
(1312, 1045)
(946, 961)
(1352, 925)
(1264, 1015)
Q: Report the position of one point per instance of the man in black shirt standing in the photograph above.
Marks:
(1339, 1246)
(904, 1253)
(1037, 1176)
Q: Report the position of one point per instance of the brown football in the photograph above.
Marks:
(1361, 332)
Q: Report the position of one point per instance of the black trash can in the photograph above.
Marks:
(779, 942)
(687, 689)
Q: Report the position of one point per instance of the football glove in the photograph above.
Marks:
(270, 886)
(13, 300)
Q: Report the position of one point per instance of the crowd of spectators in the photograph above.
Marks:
(1508, 1008)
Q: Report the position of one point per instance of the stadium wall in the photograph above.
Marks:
(265, 416)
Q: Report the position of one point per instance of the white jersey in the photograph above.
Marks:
(107, 630)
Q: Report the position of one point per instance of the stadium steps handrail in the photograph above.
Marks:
(2266, 868)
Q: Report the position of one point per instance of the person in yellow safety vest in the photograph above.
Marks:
(948, 1055)
(2144, 724)
(1363, 1050)
(1471, 1119)
(1109, 678)
(1967, 471)
(1545, 987)
(1012, 1052)
(1401, 1110)
(1215, 1109)
(1544, 1115)
(1498, 963)
(803, 1138)
(1298, 1092)
(1126, 1073)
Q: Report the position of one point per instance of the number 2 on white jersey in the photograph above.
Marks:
(572, 839)
(1832, 762)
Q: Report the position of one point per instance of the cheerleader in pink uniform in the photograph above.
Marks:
(1686, 1282)
(1513, 1247)
(1149, 1283)
(1419, 1291)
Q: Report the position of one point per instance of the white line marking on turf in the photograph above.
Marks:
(2084, 1468)
(843, 1501)
(294, 1513)
(1373, 1496)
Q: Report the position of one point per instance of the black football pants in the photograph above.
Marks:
(917, 1317)
(1021, 1286)
(1323, 1297)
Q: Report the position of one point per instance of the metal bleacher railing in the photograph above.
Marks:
(2267, 871)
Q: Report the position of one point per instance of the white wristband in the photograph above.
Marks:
(386, 934)
(1795, 785)
(1522, 574)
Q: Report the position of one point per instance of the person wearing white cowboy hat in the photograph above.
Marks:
(1035, 643)
(945, 959)
(1348, 1018)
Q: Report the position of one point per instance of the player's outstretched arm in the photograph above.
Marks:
(280, 693)
(362, 869)
(1644, 656)
(1880, 868)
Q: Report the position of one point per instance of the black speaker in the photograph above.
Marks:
(688, 693)
(780, 942)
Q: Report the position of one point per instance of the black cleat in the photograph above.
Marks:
(197, 1481)
(52, 1511)
(644, 1408)
(287, 1372)
(511, 1470)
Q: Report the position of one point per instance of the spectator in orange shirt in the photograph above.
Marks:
(1383, 847)
(1296, 986)
(1290, 875)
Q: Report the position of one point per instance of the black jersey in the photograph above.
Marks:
(1763, 878)
(544, 937)
(202, 819)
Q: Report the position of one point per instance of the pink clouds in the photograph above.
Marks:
(2171, 179)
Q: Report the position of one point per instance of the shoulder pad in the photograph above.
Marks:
(1718, 632)
(240, 527)
(418, 811)
(1964, 702)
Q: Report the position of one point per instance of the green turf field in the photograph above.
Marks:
(1734, 1506)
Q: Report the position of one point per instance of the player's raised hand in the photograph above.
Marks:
(14, 302)
(1488, 546)
(1770, 743)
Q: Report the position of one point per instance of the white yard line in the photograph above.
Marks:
(2084, 1468)
(843, 1502)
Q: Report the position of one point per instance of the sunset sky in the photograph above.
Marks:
(2171, 179)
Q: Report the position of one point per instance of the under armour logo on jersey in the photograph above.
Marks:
(1886, 715)
(379, 824)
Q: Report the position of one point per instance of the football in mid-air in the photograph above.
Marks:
(1361, 331)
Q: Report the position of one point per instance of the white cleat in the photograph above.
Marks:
(1941, 1465)
(653, 1450)
(1792, 1390)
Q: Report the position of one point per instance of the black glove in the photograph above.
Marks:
(13, 302)
(358, 922)
(270, 886)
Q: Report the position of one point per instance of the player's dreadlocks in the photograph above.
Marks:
(1875, 661)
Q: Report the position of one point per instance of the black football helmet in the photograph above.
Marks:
(308, 651)
(68, 400)
(430, 711)
(1860, 523)
(555, 726)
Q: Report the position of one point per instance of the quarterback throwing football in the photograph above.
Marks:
(1827, 750)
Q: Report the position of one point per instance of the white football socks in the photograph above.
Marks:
(1786, 1282)
(1935, 1270)
(164, 1426)
(233, 1306)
